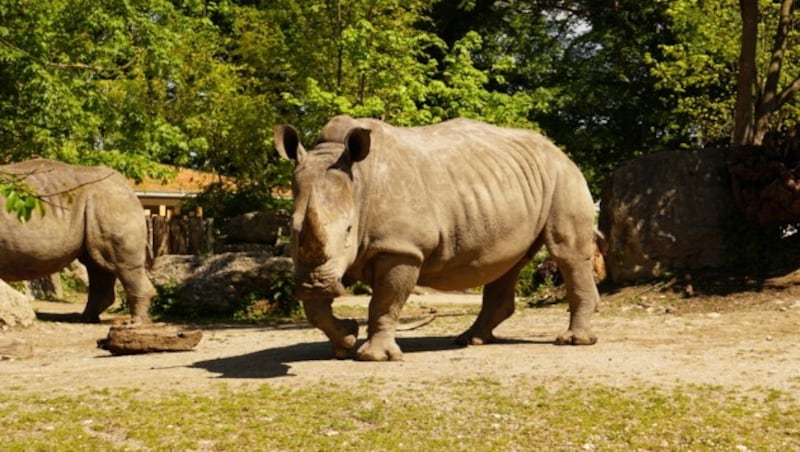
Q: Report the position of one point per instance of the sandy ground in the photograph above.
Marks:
(650, 343)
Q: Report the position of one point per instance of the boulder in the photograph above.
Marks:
(15, 308)
(216, 284)
(665, 212)
(258, 227)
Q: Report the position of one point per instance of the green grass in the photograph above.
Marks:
(469, 414)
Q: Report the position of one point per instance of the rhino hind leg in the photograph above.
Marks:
(342, 333)
(498, 305)
(139, 292)
(582, 295)
(101, 291)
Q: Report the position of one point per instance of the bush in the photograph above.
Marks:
(275, 303)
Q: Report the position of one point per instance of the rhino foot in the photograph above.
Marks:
(576, 337)
(380, 348)
(471, 338)
(347, 330)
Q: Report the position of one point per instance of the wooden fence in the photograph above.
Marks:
(180, 235)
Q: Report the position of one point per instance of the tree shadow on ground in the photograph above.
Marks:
(715, 282)
(275, 362)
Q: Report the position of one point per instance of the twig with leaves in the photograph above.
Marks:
(20, 197)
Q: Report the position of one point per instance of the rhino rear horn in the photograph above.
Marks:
(287, 142)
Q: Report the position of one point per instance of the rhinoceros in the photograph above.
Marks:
(90, 214)
(450, 206)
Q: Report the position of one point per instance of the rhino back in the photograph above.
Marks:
(468, 197)
(75, 199)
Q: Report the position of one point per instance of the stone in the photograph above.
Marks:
(664, 212)
(258, 227)
(214, 284)
(15, 308)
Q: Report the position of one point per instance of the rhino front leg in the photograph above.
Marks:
(395, 278)
(341, 332)
(498, 305)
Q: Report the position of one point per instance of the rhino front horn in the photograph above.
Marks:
(312, 235)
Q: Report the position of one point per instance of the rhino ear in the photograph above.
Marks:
(287, 142)
(357, 143)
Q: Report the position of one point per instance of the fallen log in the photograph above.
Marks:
(135, 339)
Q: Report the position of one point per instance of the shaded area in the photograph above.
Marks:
(275, 362)
(66, 317)
(766, 179)
(710, 290)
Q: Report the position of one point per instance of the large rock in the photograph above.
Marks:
(666, 211)
(215, 284)
(15, 308)
(258, 227)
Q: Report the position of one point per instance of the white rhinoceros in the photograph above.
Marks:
(450, 206)
(90, 214)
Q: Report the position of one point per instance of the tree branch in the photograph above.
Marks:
(776, 63)
(787, 94)
(66, 66)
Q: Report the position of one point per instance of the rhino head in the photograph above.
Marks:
(325, 219)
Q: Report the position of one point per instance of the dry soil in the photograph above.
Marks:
(744, 337)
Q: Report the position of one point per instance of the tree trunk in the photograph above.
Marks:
(770, 100)
(743, 115)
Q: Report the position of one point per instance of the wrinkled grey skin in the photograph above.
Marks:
(449, 206)
(91, 214)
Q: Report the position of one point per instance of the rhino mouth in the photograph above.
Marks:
(311, 289)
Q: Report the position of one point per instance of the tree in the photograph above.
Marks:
(731, 93)
(759, 98)
(583, 67)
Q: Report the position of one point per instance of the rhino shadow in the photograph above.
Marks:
(274, 362)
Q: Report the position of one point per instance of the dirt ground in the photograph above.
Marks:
(739, 333)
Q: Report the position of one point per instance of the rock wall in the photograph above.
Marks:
(666, 211)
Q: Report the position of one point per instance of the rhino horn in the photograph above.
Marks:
(312, 234)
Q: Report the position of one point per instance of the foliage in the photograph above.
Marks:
(274, 303)
(528, 285)
(699, 70)
(201, 84)
(279, 303)
(19, 198)
(223, 201)
(360, 288)
(168, 303)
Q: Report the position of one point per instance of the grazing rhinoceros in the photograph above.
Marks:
(91, 214)
(450, 206)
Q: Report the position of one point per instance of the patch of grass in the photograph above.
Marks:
(469, 414)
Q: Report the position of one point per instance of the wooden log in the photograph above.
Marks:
(160, 236)
(178, 235)
(134, 339)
